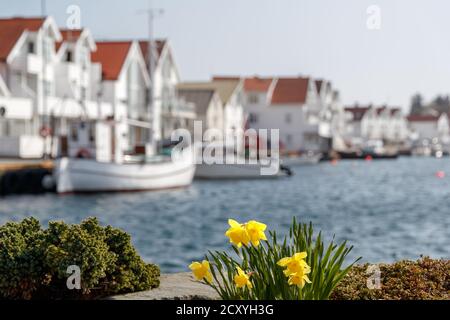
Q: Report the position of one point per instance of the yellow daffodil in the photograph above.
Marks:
(237, 233)
(255, 231)
(201, 270)
(299, 278)
(241, 279)
(294, 264)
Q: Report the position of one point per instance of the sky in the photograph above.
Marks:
(378, 51)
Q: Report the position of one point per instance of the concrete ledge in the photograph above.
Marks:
(177, 286)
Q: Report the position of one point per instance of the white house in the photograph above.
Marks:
(208, 105)
(291, 105)
(231, 117)
(429, 127)
(375, 123)
(52, 70)
(125, 85)
(168, 110)
(27, 66)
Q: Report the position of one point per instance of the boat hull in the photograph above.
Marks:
(301, 161)
(90, 176)
(233, 171)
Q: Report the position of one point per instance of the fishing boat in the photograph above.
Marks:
(155, 173)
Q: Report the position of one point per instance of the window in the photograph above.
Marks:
(31, 47)
(288, 118)
(253, 98)
(74, 132)
(253, 118)
(69, 57)
(92, 132)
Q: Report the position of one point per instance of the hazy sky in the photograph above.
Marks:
(322, 38)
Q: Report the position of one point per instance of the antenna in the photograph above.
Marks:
(43, 7)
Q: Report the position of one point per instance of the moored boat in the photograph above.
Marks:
(88, 176)
(241, 171)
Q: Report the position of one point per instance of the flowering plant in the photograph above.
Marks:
(300, 267)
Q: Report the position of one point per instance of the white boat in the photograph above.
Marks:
(87, 175)
(307, 159)
(239, 171)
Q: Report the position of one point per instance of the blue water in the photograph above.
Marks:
(389, 210)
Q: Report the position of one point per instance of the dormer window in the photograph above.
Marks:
(31, 48)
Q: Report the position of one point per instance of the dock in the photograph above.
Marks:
(18, 164)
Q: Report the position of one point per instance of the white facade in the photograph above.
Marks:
(429, 127)
(51, 83)
(300, 120)
(127, 93)
(375, 123)
(168, 110)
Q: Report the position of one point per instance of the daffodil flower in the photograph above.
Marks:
(294, 264)
(299, 279)
(201, 270)
(241, 279)
(255, 231)
(237, 233)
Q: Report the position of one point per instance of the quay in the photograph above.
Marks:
(17, 164)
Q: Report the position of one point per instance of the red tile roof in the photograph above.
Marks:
(422, 118)
(112, 56)
(257, 84)
(69, 35)
(160, 44)
(357, 112)
(290, 90)
(11, 30)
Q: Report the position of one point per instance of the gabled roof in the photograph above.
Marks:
(423, 118)
(12, 29)
(253, 84)
(112, 56)
(357, 111)
(73, 35)
(290, 91)
(224, 87)
(160, 44)
(201, 97)
(257, 84)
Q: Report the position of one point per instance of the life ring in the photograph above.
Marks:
(84, 153)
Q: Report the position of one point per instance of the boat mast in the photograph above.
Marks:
(44, 126)
(151, 57)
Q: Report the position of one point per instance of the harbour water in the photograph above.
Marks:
(389, 210)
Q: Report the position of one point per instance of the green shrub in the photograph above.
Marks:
(34, 262)
(425, 279)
